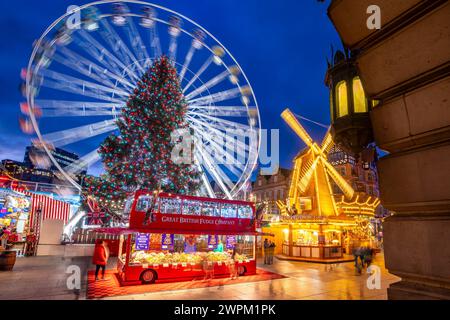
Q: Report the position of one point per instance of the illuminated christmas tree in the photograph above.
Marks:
(140, 156)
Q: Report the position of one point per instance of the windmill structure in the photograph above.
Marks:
(310, 192)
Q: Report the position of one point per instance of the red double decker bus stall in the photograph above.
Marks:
(175, 237)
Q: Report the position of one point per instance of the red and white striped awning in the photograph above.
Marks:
(51, 208)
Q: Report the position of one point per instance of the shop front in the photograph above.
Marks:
(310, 238)
(14, 216)
(173, 238)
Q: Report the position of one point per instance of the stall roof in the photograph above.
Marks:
(123, 230)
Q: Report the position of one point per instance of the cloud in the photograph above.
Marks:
(13, 147)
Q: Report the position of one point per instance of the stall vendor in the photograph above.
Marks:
(190, 245)
(219, 247)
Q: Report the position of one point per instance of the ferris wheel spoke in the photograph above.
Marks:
(208, 85)
(200, 71)
(205, 130)
(217, 97)
(224, 160)
(206, 183)
(221, 111)
(222, 122)
(71, 84)
(226, 155)
(67, 87)
(214, 172)
(89, 68)
(173, 45)
(136, 41)
(187, 62)
(155, 42)
(96, 50)
(60, 108)
(84, 162)
(68, 136)
(119, 47)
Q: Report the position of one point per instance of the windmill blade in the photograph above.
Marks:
(295, 125)
(327, 143)
(306, 174)
(340, 181)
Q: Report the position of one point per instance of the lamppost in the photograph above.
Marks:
(349, 107)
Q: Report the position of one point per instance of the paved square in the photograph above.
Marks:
(46, 277)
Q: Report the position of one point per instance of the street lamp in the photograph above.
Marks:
(349, 106)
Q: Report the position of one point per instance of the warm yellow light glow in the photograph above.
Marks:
(359, 98)
(341, 99)
(295, 125)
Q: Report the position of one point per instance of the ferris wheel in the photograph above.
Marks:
(87, 63)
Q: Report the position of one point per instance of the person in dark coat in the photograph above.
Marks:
(271, 251)
(266, 251)
(100, 258)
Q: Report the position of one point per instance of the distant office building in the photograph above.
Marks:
(62, 157)
(18, 170)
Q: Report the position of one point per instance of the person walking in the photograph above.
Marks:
(100, 258)
(271, 251)
(232, 264)
(266, 251)
(358, 254)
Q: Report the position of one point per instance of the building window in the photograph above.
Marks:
(341, 99)
(359, 98)
(259, 182)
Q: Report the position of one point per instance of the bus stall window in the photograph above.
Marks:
(170, 205)
(192, 207)
(207, 209)
(245, 212)
(143, 203)
(228, 210)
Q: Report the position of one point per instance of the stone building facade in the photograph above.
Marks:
(406, 66)
(272, 188)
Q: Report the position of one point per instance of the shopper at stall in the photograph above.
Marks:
(100, 258)
(5, 237)
(30, 243)
(14, 236)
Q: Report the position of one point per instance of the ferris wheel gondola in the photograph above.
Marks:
(80, 77)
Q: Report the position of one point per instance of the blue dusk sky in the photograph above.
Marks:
(281, 45)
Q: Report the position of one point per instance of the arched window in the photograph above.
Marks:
(359, 98)
(341, 99)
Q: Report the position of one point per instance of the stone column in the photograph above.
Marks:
(406, 65)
